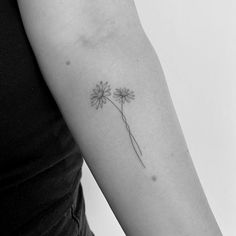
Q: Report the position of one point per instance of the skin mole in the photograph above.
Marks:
(154, 178)
(68, 63)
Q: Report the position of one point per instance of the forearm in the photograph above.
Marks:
(136, 150)
(165, 197)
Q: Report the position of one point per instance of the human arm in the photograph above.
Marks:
(80, 43)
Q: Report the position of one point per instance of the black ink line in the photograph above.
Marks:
(132, 139)
(125, 120)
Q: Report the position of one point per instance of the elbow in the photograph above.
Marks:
(97, 35)
(99, 32)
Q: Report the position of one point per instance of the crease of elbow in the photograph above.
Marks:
(99, 35)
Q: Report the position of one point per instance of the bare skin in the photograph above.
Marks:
(131, 139)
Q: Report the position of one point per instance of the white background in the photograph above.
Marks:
(196, 44)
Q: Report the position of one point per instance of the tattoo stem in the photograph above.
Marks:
(132, 139)
(125, 121)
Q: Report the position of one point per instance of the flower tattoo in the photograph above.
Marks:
(101, 94)
(123, 95)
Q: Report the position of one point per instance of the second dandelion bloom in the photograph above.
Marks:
(123, 95)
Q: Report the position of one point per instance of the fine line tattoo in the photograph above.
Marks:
(101, 95)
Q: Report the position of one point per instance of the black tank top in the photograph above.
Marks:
(40, 162)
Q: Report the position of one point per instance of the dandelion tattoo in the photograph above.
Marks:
(101, 95)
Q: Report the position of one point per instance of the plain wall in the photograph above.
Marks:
(196, 44)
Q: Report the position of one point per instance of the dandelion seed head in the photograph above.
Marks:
(123, 95)
(100, 94)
